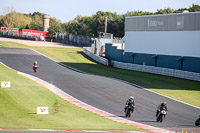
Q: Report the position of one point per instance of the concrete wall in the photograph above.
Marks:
(144, 68)
(191, 64)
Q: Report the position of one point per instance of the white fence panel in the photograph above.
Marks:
(95, 57)
(158, 70)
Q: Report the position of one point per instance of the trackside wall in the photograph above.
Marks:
(191, 64)
(144, 68)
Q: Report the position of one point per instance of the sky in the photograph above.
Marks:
(66, 10)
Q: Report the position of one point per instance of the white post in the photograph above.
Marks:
(106, 24)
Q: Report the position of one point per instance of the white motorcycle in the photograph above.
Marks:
(161, 115)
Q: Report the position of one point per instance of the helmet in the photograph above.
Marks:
(164, 103)
(131, 97)
(35, 62)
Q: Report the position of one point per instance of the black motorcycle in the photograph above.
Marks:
(197, 122)
(129, 109)
(161, 115)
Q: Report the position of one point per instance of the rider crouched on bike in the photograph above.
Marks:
(162, 106)
(35, 64)
(130, 101)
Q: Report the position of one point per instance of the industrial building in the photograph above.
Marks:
(168, 41)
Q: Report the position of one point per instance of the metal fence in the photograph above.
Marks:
(77, 40)
(12, 35)
(20, 37)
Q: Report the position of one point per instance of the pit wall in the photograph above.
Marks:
(145, 63)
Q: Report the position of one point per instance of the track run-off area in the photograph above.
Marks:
(103, 93)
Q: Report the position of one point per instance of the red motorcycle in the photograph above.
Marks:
(35, 67)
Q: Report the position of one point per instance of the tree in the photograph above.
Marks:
(54, 27)
(1, 23)
(23, 20)
(10, 20)
(27, 27)
(36, 22)
(194, 8)
(165, 11)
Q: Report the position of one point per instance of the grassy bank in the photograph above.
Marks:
(18, 108)
(180, 89)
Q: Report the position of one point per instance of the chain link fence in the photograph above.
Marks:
(71, 39)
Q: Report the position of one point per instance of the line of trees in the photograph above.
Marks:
(87, 25)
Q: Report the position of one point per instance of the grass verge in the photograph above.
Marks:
(184, 90)
(19, 102)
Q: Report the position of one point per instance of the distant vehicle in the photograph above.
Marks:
(24, 32)
(197, 122)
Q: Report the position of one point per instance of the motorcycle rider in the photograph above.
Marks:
(35, 64)
(197, 122)
(130, 101)
(161, 107)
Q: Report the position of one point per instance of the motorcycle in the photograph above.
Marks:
(35, 68)
(197, 122)
(161, 115)
(129, 109)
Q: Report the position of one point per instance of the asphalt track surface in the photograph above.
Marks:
(101, 92)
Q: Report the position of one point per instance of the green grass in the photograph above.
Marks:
(184, 90)
(19, 102)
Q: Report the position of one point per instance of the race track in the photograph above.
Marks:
(104, 93)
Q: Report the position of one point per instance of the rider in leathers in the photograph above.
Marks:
(130, 101)
(161, 107)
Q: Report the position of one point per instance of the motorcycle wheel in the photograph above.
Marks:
(161, 118)
(157, 119)
(129, 113)
(126, 113)
(197, 123)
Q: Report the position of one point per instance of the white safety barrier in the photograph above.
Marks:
(99, 59)
(158, 70)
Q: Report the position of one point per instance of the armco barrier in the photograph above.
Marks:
(99, 59)
(158, 70)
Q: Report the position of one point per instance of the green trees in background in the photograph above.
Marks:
(87, 25)
(21, 21)
(54, 27)
(91, 26)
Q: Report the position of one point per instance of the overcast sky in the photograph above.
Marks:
(66, 10)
